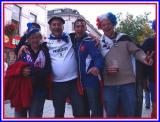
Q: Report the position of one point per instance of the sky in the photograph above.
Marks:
(90, 12)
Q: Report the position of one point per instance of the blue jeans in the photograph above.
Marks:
(139, 99)
(123, 96)
(36, 108)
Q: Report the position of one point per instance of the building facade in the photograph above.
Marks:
(70, 15)
(20, 15)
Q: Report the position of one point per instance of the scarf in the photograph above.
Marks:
(63, 37)
(107, 43)
(40, 61)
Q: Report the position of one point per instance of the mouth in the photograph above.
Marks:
(106, 29)
(57, 31)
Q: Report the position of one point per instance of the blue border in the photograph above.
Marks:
(1, 60)
(70, 1)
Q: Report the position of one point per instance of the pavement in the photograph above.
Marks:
(49, 110)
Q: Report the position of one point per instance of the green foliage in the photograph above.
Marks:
(138, 28)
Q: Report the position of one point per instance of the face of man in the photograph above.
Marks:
(56, 27)
(80, 28)
(107, 27)
(35, 39)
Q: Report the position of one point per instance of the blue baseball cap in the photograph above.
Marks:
(32, 31)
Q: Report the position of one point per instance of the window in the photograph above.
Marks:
(16, 13)
(33, 17)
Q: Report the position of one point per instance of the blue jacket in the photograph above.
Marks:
(88, 55)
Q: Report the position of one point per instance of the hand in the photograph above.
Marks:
(21, 50)
(148, 59)
(95, 39)
(94, 71)
(26, 71)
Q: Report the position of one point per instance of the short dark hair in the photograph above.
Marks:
(79, 20)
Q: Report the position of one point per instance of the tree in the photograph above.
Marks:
(137, 28)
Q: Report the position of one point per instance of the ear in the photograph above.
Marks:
(62, 27)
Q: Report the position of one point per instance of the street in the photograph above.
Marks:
(49, 110)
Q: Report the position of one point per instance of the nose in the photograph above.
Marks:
(80, 28)
(56, 26)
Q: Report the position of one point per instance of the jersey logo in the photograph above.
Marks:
(60, 52)
(82, 48)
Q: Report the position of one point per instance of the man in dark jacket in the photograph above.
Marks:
(149, 48)
(90, 63)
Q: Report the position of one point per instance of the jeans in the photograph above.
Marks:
(36, 108)
(139, 99)
(123, 95)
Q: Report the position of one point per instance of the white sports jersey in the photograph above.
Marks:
(63, 61)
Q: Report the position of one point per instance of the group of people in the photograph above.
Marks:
(93, 75)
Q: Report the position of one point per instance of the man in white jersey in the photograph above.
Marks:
(64, 66)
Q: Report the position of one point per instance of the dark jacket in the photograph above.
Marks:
(39, 76)
(88, 56)
(149, 46)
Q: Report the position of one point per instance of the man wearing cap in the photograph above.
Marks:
(24, 37)
(64, 67)
(30, 79)
(119, 78)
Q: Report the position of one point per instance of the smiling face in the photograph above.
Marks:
(80, 28)
(107, 28)
(56, 27)
(35, 39)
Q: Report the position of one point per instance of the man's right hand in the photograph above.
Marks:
(21, 50)
(26, 71)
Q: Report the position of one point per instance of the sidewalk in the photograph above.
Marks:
(49, 110)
